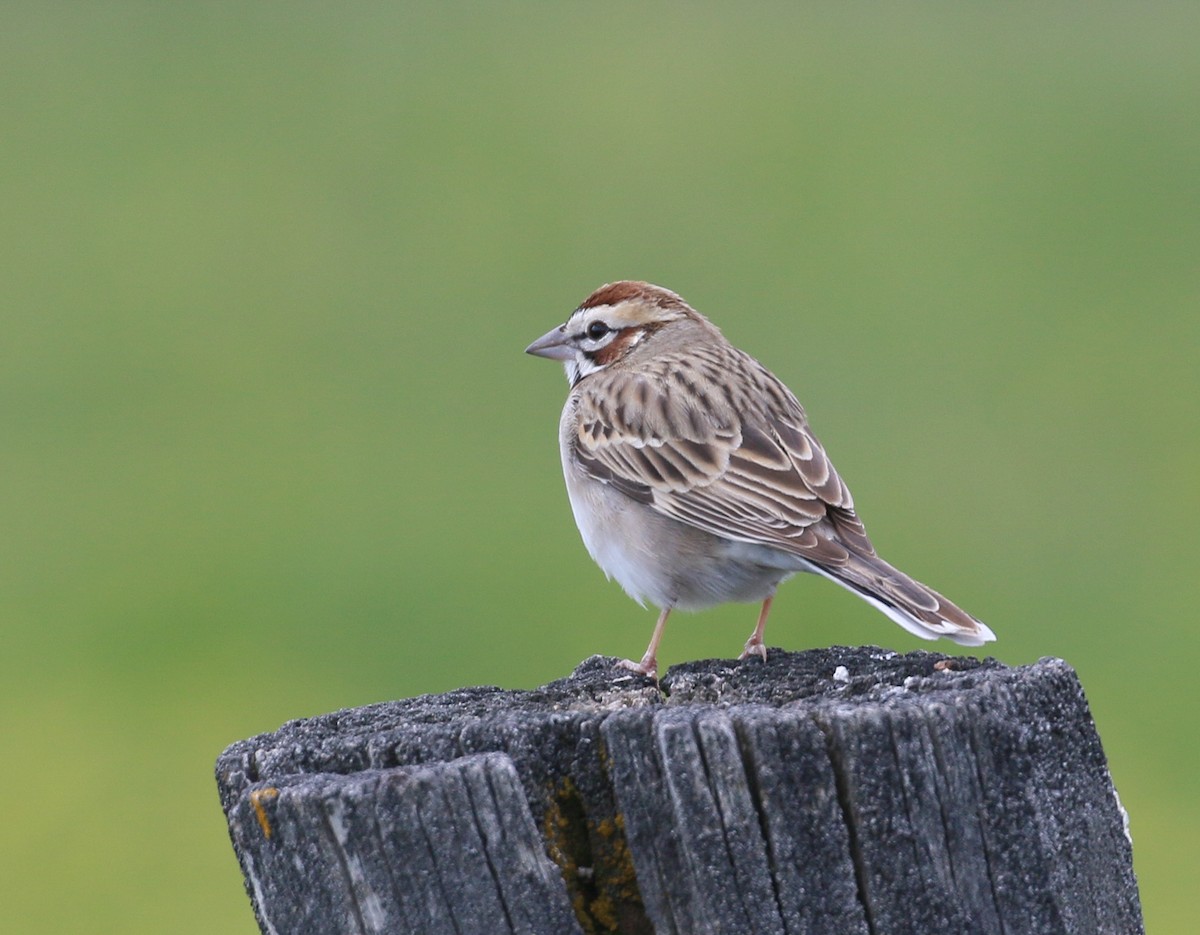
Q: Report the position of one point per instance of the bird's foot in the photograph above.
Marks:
(647, 667)
(754, 647)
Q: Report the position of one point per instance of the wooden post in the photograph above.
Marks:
(851, 791)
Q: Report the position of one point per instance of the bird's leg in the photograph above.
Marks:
(649, 664)
(754, 645)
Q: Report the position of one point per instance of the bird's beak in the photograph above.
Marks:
(553, 344)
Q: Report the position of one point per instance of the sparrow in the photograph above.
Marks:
(694, 477)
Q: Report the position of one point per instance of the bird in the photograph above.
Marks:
(695, 480)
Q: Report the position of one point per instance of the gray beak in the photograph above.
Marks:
(553, 344)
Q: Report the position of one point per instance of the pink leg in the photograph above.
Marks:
(649, 664)
(754, 645)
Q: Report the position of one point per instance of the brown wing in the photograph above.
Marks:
(714, 440)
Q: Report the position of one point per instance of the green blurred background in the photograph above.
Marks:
(270, 445)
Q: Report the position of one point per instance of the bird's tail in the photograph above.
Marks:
(919, 609)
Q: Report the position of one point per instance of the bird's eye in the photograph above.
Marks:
(596, 330)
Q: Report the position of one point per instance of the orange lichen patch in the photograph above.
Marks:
(619, 896)
(257, 798)
(563, 826)
(557, 826)
(595, 864)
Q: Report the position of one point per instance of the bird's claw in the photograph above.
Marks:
(754, 648)
(647, 667)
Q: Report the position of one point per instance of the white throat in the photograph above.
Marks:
(579, 367)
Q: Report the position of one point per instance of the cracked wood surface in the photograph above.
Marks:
(840, 791)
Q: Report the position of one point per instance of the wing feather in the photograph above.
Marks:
(713, 439)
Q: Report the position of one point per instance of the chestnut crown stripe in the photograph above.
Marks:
(614, 293)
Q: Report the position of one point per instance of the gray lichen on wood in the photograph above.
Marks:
(841, 791)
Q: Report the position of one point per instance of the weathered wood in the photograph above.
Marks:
(839, 791)
(449, 847)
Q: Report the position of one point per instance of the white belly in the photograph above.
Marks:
(668, 563)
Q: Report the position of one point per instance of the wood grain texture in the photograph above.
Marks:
(831, 791)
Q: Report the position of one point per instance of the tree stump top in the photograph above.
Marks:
(351, 739)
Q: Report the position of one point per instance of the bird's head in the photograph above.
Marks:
(609, 325)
